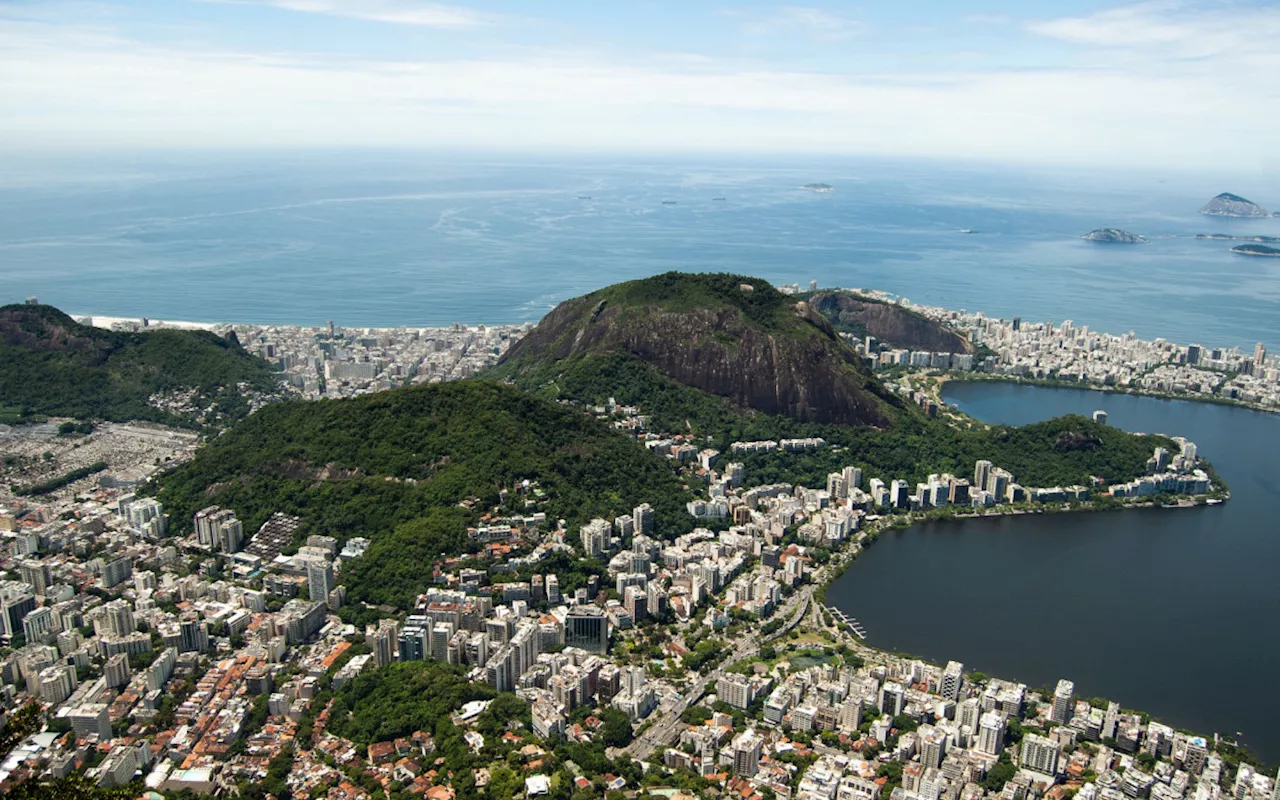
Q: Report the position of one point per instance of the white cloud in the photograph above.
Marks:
(812, 23)
(1171, 28)
(84, 87)
(399, 12)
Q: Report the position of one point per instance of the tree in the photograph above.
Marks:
(617, 728)
(1000, 774)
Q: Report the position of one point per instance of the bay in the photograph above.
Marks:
(416, 238)
(1169, 611)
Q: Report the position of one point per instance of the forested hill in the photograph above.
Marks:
(395, 465)
(730, 336)
(51, 365)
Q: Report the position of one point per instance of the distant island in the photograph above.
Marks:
(819, 187)
(1232, 205)
(1256, 250)
(1113, 236)
(1222, 237)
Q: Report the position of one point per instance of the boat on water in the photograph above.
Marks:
(967, 230)
(668, 202)
(717, 198)
(584, 197)
(1214, 501)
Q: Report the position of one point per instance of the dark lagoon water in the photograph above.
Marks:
(1174, 612)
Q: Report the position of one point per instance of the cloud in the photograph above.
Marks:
(813, 23)
(87, 87)
(398, 12)
(1170, 28)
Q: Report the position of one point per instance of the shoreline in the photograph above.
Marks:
(848, 553)
(105, 323)
(1048, 383)
(889, 523)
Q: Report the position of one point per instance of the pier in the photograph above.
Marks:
(847, 621)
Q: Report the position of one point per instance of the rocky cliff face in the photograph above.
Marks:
(734, 337)
(891, 324)
(1231, 205)
(44, 328)
(1113, 236)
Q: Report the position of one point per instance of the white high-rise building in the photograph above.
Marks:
(969, 713)
(952, 680)
(991, 733)
(1040, 754)
(320, 580)
(981, 471)
(836, 486)
(933, 745)
(1063, 702)
(998, 484)
(746, 753)
(900, 494)
(852, 478)
(892, 699)
(645, 520)
(1110, 721)
(595, 538)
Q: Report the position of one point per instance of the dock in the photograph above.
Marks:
(847, 621)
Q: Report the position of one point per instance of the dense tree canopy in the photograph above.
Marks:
(1061, 451)
(395, 465)
(401, 698)
(51, 365)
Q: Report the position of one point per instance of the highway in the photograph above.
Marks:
(665, 730)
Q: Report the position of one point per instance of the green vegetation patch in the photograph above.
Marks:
(51, 365)
(401, 698)
(679, 292)
(57, 483)
(1064, 451)
(395, 465)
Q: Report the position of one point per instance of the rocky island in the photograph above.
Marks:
(1232, 205)
(1256, 250)
(1113, 236)
(819, 187)
(1222, 237)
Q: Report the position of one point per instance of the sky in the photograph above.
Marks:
(1179, 84)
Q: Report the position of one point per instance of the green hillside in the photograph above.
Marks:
(51, 365)
(729, 336)
(915, 447)
(394, 466)
(597, 347)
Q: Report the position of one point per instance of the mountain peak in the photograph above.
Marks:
(732, 336)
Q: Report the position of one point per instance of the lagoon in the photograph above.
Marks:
(1169, 611)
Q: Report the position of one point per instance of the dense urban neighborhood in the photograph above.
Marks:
(616, 656)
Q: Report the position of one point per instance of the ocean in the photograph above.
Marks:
(429, 239)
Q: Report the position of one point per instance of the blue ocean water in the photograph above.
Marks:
(416, 238)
